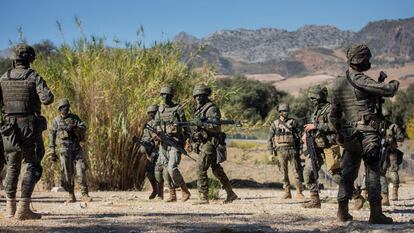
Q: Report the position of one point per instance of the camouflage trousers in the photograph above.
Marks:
(286, 155)
(309, 177)
(173, 158)
(161, 172)
(364, 146)
(206, 159)
(389, 173)
(73, 164)
(150, 171)
(21, 144)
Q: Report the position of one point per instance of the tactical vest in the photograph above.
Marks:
(321, 116)
(358, 107)
(19, 93)
(64, 136)
(167, 116)
(283, 134)
(201, 113)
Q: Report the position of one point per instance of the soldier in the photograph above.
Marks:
(328, 151)
(208, 140)
(356, 119)
(283, 138)
(23, 91)
(152, 154)
(67, 131)
(394, 136)
(167, 114)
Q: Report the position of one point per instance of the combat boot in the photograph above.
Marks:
(315, 202)
(231, 196)
(185, 193)
(173, 196)
(385, 201)
(376, 216)
(154, 190)
(287, 194)
(160, 194)
(71, 198)
(359, 202)
(299, 195)
(10, 207)
(23, 210)
(86, 198)
(202, 199)
(343, 212)
(394, 194)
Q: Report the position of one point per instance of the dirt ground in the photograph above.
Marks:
(259, 210)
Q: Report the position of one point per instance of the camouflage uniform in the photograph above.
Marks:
(152, 156)
(167, 114)
(207, 138)
(326, 148)
(66, 133)
(283, 137)
(393, 161)
(23, 91)
(355, 117)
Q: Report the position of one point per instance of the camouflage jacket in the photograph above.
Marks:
(67, 131)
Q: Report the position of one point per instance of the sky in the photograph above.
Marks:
(163, 19)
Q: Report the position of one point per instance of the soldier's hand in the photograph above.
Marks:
(309, 127)
(188, 147)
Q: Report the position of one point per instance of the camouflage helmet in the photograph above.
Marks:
(23, 52)
(318, 92)
(386, 112)
(62, 103)
(152, 108)
(167, 89)
(201, 89)
(283, 107)
(357, 53)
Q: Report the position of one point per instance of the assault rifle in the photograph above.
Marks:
(237, 123)
(313, 155)
(383, 126)
(148, 146)
(168, 140)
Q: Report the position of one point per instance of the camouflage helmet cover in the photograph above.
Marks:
(283, 107)
(201, 89)
(23, 52)
(167, 89)
(62, 103)
(357, 53)
(152, 108)
(318, 92)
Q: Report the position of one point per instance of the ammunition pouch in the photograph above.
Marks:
(221, 148)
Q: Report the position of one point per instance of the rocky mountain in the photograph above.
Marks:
(310, 49)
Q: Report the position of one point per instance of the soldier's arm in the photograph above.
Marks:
(52, 134)
(335, 115)
(182, 118)
(376, 88)
(272, 132)
(45, 95)
(213, 115)
(399, 135)
(80, 125)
